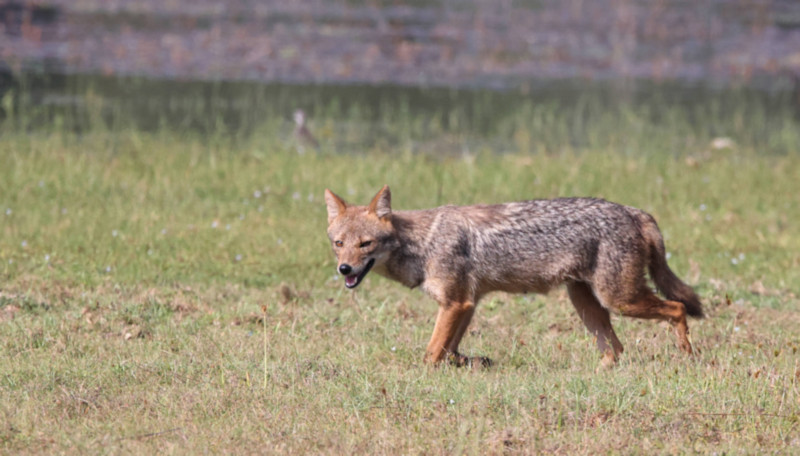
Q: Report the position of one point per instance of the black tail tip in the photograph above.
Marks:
(694, 309)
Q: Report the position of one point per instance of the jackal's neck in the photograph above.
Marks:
(413, 228)
(406, 262)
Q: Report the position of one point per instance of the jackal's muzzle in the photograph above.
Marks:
(352, 277)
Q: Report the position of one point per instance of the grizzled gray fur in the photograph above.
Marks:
(457, 254)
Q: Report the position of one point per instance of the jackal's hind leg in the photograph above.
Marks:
(650, 306)
(597, 320)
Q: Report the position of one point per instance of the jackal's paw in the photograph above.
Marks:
(686, 346)
(459, 360)
(608, 362)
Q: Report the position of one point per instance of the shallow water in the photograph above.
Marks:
(42, 101)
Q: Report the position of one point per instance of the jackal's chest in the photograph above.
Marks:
(407, 273)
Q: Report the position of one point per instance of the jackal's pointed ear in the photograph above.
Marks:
(335, 204)
(381, 204)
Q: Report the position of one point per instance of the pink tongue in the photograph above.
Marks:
(351, 279)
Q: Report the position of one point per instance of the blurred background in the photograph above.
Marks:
(166, 283)
(443, 76)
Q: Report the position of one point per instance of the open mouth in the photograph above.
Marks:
(352, 280)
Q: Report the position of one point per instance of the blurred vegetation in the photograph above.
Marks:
(166, 284)
(549, 116)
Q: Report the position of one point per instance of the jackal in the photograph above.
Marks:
(457, 254)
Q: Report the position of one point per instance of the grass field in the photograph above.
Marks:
(175, 293)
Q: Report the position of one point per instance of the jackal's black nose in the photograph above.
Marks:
(345, 269)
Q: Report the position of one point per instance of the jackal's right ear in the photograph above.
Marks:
(335, 204)
(381, 204)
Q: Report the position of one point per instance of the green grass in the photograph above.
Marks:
(134, 267)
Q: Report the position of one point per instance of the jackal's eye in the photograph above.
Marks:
(366, 244)
(338, 243)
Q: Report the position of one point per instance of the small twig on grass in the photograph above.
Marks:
(148, 435)
(79, 399)
(771, 415)
(264, 319)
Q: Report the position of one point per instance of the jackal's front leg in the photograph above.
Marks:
(451, 324)
(448, 322)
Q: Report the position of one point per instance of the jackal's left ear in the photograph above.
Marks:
(381, 204)
(335, 204)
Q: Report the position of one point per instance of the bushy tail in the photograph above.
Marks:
(666, 281)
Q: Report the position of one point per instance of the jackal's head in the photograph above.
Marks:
(362, 236)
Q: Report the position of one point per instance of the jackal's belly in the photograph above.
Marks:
(517, 280)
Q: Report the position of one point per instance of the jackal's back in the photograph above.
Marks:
(534, 245)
